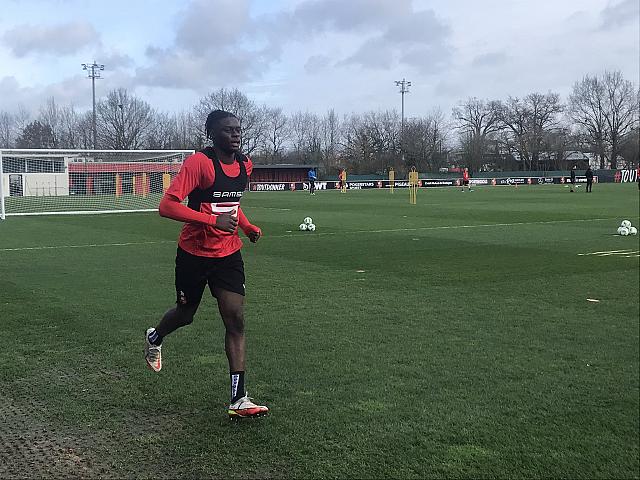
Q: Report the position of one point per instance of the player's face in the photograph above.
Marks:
(227, 134)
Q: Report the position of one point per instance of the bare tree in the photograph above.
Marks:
(123, 120)
(22, 118)
(306, 137)
(330, 139)
(621, 112)
(586, 108)
(630, 147)
(70, 133)
(357, 147)
(276, 134)
(477, 121)
(7, 129)
(50, 115)
(162, 132)
(527, 121)
(424, 139)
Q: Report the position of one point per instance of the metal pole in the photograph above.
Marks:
(404, 88)
(93, 90)
(2, 212)
(402, 126)
(93, 72)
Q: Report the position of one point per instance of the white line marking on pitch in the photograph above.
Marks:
(90, 245)
(607, 251)
(448, 227)
(272, 208)
(293, 235)
(619, 253)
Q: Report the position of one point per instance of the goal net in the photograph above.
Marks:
(40, 182)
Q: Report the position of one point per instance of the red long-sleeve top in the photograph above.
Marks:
(199, 235)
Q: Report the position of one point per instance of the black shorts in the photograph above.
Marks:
(193, 273)
(465, 182)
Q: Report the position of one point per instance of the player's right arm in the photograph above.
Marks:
(188, 179)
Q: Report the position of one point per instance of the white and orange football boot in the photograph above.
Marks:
(245, 408)
(152, 353)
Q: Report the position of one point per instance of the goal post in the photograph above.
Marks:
(49, 182)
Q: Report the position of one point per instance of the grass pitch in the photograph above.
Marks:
(448, 339)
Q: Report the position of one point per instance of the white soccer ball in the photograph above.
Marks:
(625, 223)
(624, 231)
(303, 226)
(311, 227)
(633, 231)
(309, 221)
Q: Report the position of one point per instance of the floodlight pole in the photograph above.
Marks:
(93, 72)
(404, 88)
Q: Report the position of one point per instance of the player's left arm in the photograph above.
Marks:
(252, 232)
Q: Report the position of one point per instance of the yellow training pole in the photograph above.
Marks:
(413, 186)
(392, 179)
(166, 181)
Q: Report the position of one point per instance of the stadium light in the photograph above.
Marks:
(93, 72)
(404, 88)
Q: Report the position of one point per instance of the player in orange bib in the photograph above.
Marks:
(466, 179)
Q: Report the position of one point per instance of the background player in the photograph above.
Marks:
(311, 175)
(466, 179)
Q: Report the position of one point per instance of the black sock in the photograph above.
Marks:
(155, 338)
(237, 386)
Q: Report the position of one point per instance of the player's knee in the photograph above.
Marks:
(185, 315)
(235, 323)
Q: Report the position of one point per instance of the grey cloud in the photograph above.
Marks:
(210, 24)
(489, 59)
(115, 60)
(63, 39)
(374, 53)
(74, 90)
(341, 15)
(420, 27)
(185, 70)
(418, 40)
(317, 63)
(623, 13)
(217, 41)
(428, 59)
(210, 49)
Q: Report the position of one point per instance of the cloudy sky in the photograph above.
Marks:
(311, 54)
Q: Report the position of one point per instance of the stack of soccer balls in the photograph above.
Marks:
(625, 229)
(307, 225)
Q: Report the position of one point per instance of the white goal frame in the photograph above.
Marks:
(172, 157)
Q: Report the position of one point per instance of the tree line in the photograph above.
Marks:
(535, 132)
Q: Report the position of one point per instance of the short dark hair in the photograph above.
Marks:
(213, 118)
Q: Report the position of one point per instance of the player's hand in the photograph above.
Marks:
(226, 222)
(253, 233)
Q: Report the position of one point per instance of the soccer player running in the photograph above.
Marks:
(214, 180)
(311, 175)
